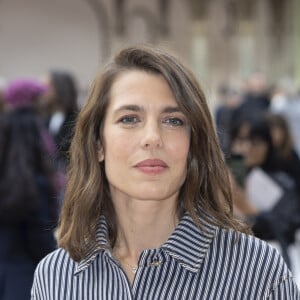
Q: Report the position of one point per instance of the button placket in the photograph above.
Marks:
(156, 263)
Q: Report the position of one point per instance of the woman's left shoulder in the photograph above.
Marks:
(250, 245)
(246, 254)
(260, 253)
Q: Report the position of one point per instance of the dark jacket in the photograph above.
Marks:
(23, 243)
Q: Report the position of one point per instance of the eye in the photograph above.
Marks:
(129, 120)
(174, 122)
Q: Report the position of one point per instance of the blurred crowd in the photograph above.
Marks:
(257, 126)
(37, 118)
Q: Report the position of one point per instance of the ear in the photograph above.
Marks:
(100, 155)
(100, 152)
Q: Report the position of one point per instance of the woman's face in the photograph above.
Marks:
(47, 101)
(146, 139)
(256, 153)
(278, 136)
(241, 142)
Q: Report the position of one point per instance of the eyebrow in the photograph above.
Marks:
(129, 107)
(137, 108)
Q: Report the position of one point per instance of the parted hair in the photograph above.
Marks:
(206, 190)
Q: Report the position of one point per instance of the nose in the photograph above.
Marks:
(151, 136)
(241, 146)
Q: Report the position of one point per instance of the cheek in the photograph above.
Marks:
(278, 138)
(251, 157)
(116, 158)
(115, 149)
(263, 153)
(258, 155)
(179, 148)
(118, 147)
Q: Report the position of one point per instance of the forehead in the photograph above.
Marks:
(244, 130)
(141, 88)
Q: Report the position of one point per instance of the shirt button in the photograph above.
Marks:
(156, 263)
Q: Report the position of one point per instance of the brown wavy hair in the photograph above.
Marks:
(206, 190)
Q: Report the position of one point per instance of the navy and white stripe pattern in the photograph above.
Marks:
(211, 263)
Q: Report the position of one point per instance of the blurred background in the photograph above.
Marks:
(246, 56)
(221, 40)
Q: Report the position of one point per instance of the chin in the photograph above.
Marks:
(151, 194)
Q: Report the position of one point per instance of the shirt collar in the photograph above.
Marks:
(101, 244)
(188, 243)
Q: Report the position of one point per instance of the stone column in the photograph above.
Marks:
(263, 51)
(221, 33)
(103, 27)
(296, 38)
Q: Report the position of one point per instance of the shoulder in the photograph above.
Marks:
(250, 246)
(57, 260)
(53, 272)
(259, 260)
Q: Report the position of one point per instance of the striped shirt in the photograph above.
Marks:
(211, 263)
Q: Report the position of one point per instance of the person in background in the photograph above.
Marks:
(255, 99)
(2, 102)
(230, 99)
(284, 146)
(28, 93)
(24, 92)
(60, 110)
(2, 88)
(286, 102)
(28, 210)
(268, 188)
(147, 212)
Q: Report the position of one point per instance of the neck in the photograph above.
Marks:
(143, 225)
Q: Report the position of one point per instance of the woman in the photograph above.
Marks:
(284, 146)
(147, 211)
(59, 108)
(269, 190)
(60, 101)
(28, 211)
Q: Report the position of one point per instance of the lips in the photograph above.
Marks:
(152, 163)
(152, 166)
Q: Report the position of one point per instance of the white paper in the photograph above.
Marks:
(261, 190)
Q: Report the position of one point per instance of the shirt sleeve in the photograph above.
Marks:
(34, 288)
(286, 289)
(38, 291)
(33, 294)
